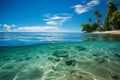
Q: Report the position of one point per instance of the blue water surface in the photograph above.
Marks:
(32, 38)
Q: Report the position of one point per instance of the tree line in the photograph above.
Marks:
(111, 20)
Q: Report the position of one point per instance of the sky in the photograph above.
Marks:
(47, 15)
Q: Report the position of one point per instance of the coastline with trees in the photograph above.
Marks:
(104, 24)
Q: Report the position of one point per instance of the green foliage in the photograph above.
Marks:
(89, 19)
(86, 27)
(108, 25)
(94, 26)
(97, 14)
(115, 19)
(111, 22)
(111, 8)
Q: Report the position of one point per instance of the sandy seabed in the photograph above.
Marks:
(63, 61)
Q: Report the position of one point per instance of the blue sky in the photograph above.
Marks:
(47, 15)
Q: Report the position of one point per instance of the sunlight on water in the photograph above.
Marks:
(69, 57)
(32, 38)
(63, 61)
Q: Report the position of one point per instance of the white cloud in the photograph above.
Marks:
(56, 19)
(79, 8)
(51, 23)
(39, 29)
(7, 27)
(13, 25)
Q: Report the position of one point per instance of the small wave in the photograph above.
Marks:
(23, 40)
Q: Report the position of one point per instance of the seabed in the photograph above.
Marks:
(61, 61)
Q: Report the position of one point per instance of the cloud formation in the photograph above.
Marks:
(80, 9)
(12, 28)
(13, 25)
(56, 19)
(7, 27)
(39, 29)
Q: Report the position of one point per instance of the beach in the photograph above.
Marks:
(109, 32)
(60, 40)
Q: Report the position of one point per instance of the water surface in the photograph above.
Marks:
(32, 38)
(55, 56)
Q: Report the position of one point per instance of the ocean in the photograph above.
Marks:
(33, 38)
(59, 56)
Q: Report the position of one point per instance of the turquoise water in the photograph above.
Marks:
(33, 38)
(87, 59)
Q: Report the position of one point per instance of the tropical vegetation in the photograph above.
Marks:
(110, 22)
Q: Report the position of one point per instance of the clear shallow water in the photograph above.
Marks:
(32, 38)
(85, 57)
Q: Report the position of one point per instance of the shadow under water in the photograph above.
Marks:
(73, 56)
(61, 61)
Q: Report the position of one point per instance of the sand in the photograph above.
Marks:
(63, 61)
(109, 32)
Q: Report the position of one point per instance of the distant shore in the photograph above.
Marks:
(109, 32)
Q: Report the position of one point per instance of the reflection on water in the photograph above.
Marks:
(101, 37)
(84, 57)
(31, 38)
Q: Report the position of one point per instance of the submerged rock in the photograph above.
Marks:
(114, 75)
(37, 56)
(97, 54)
(28, 58)
(60, 53)
(54, 59)
(70, 62)
(99, 59)
(8, 67)
(117, 55)
(80, 48)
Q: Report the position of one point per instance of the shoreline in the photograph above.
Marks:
(108, 32)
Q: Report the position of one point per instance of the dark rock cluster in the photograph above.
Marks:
(114, 75)
(61, 53)
(99, 59)
(28, 58)
(70, 62)
(80, 48)
(53, 59)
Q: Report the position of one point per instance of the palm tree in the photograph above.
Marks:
(86, 27)
(99, 16)
(110, 10)
(115, 19)
(116, 2)
(89, 20)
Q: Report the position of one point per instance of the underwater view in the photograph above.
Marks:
(59, 39)
(96, 57)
